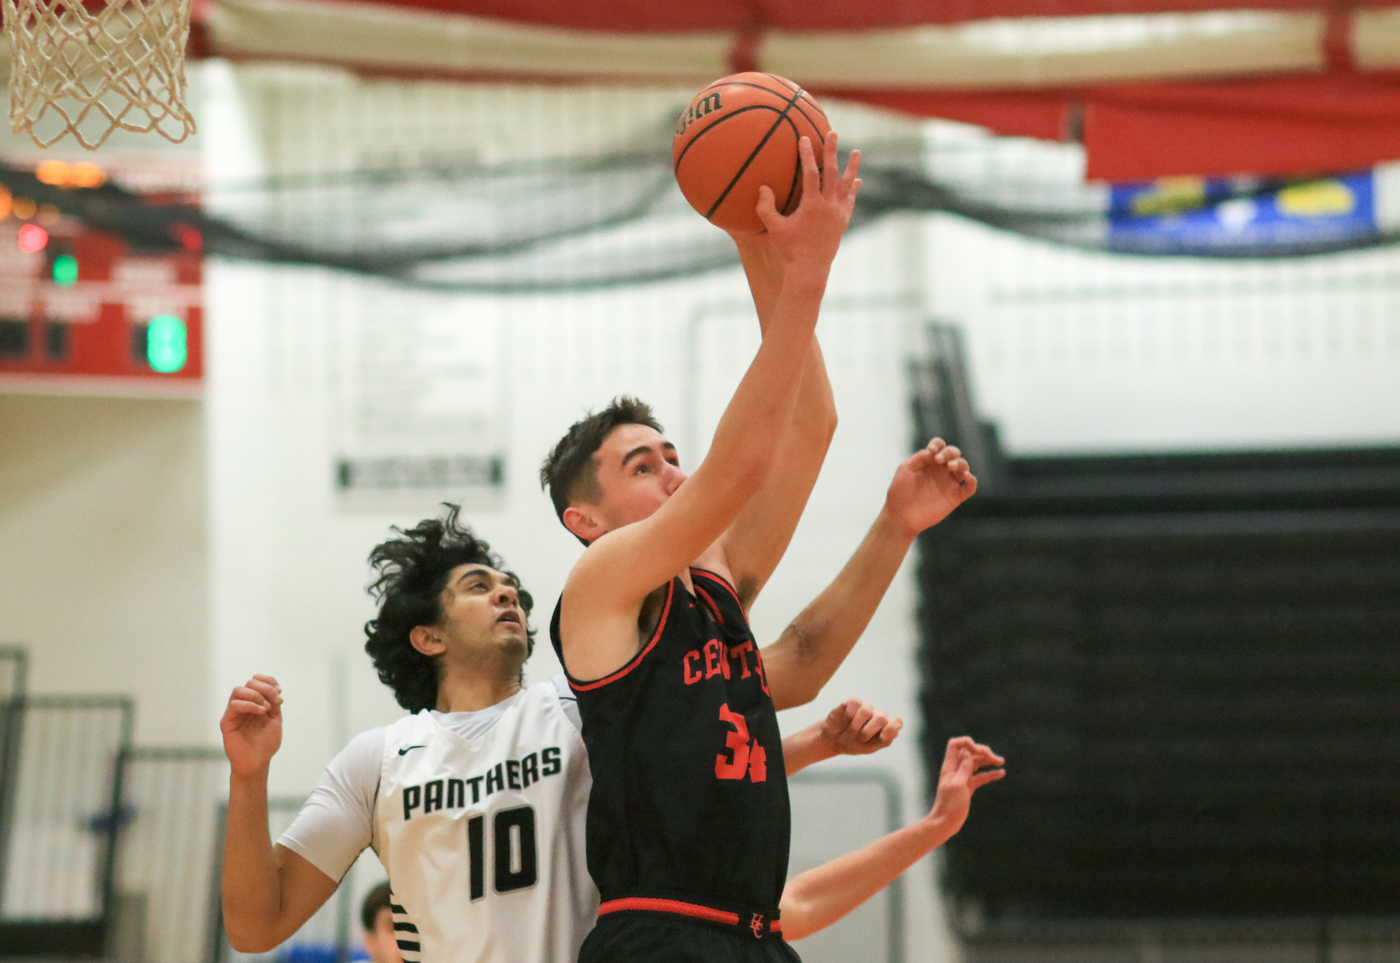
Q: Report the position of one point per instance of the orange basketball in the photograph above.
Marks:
(741, 132)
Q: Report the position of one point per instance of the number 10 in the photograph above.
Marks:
(513, 834)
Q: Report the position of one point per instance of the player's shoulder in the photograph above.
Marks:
(568, 702)
(371, 740)
(549, 697)
(361, 758)
(559, 686)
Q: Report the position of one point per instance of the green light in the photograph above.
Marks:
(65, 270)
(165, 344)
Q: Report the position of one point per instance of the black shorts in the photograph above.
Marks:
(640, 937)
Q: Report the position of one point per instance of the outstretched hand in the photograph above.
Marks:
(967, 767)
(814, 230)
(928, 485)
(856, 728)
(252, 725)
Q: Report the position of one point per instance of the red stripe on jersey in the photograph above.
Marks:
(670, 906)
(655, 637)
(716, 577)
(714, 608)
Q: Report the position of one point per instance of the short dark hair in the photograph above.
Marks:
(570, 470)
(376, 902)
(411, 572)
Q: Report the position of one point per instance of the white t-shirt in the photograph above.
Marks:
(337, 823)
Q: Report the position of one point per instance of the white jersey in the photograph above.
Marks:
(483, 839)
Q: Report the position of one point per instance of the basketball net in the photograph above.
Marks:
(88, 74)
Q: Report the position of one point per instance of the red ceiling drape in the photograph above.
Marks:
(1324, 115)
(665, 16)
(1285, 126)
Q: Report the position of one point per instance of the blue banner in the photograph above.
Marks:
(1181, 214)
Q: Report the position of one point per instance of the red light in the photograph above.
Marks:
(187, 237)
(32, 238)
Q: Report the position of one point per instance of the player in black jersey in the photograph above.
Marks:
(688, 819)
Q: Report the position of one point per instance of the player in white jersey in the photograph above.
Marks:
(498, 817)
(475, 804)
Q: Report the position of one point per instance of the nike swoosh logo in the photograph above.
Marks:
(406, 748)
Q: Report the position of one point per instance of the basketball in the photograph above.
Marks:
(737, 134)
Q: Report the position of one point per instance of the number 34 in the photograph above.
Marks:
(743, 756)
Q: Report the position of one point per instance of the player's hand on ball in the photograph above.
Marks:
(252, 725)
(813, 231)
(856, 728)
(967, 767)
(928, 485)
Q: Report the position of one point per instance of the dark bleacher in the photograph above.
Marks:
(1192, 665)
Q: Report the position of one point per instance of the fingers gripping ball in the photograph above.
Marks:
(739, 133)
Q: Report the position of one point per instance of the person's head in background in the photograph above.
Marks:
(381, 943)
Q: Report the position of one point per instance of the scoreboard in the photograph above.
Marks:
(81, 312)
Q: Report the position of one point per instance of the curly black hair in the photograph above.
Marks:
(410, 573)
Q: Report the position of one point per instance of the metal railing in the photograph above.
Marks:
(63, 816)
(166, 891)
(14, 666)
(14, 670)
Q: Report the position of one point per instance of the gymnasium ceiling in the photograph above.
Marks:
(1152, 89)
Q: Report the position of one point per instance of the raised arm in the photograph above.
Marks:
(268, 892)
(605, 590)
(755, 543)
(819, 897)
(927, 486)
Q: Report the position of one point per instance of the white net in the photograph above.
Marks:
(89, 72)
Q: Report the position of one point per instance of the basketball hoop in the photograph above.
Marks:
(89, 73)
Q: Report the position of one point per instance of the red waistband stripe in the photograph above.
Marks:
(670, 906)
(681, 909)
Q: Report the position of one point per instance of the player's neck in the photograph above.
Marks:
(473, 691)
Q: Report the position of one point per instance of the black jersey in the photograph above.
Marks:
(690, 800)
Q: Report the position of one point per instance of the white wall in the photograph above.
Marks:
(103, 553)
(1075, 351)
